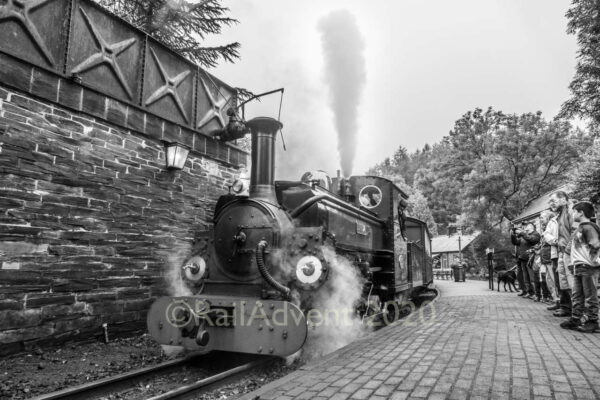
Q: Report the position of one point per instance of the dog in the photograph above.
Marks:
(508, 276)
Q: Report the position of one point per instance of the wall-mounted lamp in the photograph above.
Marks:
(176, 154)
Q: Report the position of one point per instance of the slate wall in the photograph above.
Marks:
(90, 218)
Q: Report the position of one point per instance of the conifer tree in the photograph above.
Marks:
(587, 175)
(181, 25)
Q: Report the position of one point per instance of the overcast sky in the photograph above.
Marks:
(427, 63)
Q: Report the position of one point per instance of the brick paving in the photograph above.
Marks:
(471, 344)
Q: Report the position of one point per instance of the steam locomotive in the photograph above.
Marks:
(269, 252)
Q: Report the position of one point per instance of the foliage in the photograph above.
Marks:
(499, 240)
(418, 206)
(489, 167)
(181, 25)
(503, 162)
(587, 176)
(584, 22)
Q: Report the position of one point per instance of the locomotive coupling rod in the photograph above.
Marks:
(260, 262)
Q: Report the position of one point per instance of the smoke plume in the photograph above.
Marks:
(345, 74)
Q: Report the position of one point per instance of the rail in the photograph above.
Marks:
(88, 390)
(445, 273)
(184, 391)
(104, 388)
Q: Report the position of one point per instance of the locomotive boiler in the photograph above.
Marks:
(253, 275)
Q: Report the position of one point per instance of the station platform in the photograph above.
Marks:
(472, 343)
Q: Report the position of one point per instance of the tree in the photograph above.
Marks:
(417, 203)
(441, 188)
(418, 208)
(489, 167)
(502, 162)
(180, 25)
(584, 22)
(499, 240)
(403, 164)
(587, 175)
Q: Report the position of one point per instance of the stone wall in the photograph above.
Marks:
(90, 219)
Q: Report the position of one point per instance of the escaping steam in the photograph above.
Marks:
(175, 258)
(345, 74)
(336, 322)
(329, 310)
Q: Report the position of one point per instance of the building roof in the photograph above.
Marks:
(538, 205)
(449, 244)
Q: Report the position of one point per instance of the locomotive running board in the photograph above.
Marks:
(243, 325)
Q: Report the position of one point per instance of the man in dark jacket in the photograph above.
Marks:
(525, 240)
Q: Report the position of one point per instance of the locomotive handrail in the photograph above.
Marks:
(260, 248)
(309, 202)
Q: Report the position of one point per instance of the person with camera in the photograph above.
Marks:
(526, 239)
(519, 270)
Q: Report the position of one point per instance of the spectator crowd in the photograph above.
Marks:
(561, 263)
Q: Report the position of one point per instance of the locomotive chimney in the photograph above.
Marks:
(262, 174)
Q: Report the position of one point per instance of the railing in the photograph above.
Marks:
(442, 273)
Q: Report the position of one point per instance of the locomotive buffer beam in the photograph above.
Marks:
(243, 325)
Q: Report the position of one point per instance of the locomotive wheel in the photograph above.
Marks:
(393, 313)
(396, 310)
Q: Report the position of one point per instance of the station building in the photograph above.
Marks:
(531, 213)
(451, 250)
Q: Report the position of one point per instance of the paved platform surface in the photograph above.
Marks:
(472, 344)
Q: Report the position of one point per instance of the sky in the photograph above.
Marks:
(427, 64)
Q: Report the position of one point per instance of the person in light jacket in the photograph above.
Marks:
(550, 242)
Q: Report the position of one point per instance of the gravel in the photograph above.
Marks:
(42, 371)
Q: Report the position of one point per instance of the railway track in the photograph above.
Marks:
(163, 381)
(146, 383)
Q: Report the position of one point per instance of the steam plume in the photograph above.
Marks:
(343, 48)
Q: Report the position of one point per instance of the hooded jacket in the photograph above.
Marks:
(524, 242)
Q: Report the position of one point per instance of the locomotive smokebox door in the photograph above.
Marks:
(238, 230)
